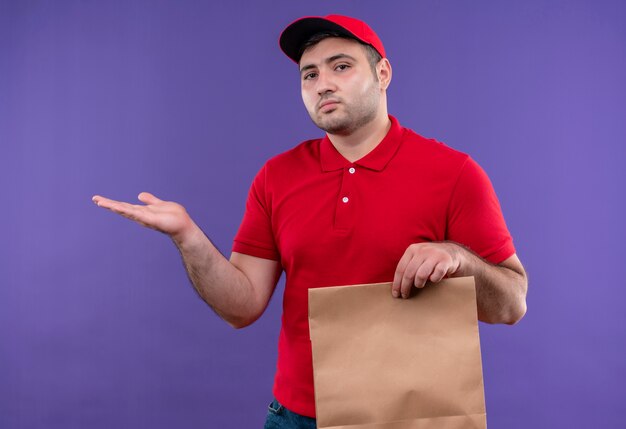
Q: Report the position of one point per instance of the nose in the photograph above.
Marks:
(325, 83)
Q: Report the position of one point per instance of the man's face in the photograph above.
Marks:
(339, 90)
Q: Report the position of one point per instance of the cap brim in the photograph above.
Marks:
(297, 33)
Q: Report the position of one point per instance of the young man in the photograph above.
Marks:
(370, 202)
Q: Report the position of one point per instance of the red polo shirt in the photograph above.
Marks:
(331, 222)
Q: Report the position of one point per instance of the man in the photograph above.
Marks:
(370, 202)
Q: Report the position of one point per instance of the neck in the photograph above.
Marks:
(356, 145)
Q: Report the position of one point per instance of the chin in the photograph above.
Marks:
(333, 125)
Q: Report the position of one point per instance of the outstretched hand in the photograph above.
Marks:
(167, 217)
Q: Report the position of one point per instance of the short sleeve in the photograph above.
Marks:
(475, 218)
(255, 236)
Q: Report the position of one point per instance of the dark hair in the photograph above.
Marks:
(373, 57)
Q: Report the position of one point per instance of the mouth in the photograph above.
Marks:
(328, 105)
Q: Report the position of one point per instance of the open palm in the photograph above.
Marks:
(167, 217)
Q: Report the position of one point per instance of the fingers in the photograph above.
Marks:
(423, 273)
(130, 211)
(410, 275)
(119, 207)
(107, 203)
(405, 272)
(167, 217)
(400, 272)
(102, 201)
(148, 198)
(439, 272)
(421, 263)
(417, 272)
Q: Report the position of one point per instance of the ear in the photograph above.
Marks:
(383, 70)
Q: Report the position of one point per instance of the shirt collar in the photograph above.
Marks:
(376, 160)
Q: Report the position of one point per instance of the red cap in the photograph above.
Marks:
(299, 31)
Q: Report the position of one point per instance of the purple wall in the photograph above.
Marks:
(98, 326)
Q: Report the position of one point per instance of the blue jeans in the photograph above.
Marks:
(279, 417)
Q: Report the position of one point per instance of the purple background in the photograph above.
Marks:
(98, 325)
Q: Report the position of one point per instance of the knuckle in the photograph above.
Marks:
(440, 270)
(409, 271)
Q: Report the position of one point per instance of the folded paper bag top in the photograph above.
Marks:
(386, 363)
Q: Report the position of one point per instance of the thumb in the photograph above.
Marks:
(148, 198)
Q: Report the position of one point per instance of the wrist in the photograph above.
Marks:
(462, 259)
(189, 236)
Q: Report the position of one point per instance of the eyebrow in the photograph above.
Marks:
(327, 61)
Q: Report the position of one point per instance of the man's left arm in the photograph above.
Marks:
(500, 289)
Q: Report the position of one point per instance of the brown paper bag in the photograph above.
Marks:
(386, 363)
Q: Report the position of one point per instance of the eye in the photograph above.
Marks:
(309, 76)
(342, 67)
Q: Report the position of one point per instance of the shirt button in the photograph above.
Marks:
(352, 170)
(345, 199)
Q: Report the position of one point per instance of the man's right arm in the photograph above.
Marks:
(237, 290)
